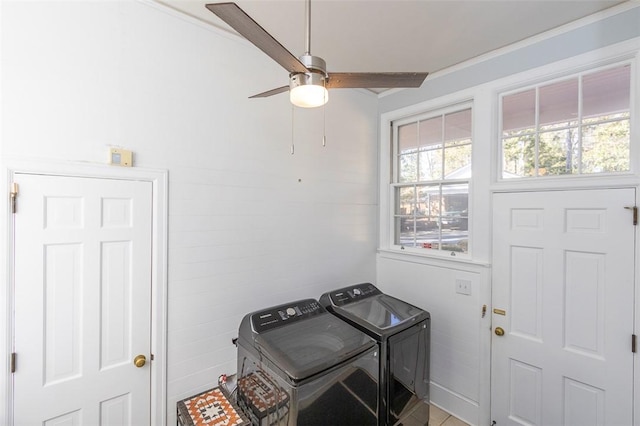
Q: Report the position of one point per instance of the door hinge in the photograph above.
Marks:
(635, 214)
(13, 194)
(12, 362)
(633, 343)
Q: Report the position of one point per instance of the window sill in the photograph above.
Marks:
(430, 259)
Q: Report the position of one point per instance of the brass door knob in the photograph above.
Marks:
(499, 331)
(140, 361)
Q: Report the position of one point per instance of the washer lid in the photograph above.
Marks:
(305, 348)
(382, 313)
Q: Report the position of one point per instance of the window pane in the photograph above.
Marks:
(457, 160)
(431, 131)
(408, 167)
(428, 236)
(407, 138)
(519, 111)
(457, 125)
(558, 104)
(606, 92)
(405, 231)
(405, 200)
(455, 219)
(557, 153)
(605, 147)
(519, 156)
(429, 200)
(431, 163)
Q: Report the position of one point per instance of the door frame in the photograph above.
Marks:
(159, 180)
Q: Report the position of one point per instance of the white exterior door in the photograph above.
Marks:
(563, 292)
(82, 298)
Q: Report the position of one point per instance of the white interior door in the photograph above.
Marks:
(563, 288)
(82, 298)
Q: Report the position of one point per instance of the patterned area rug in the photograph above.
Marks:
(211, 408)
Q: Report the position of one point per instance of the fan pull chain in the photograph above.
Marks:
(324, 116)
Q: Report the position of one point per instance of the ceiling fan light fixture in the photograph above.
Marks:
(307, 90)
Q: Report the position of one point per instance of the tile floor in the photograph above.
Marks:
(438, 417)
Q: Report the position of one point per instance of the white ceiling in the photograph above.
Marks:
(402, 35)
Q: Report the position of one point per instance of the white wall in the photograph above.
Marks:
(250, 225)
(459, 370)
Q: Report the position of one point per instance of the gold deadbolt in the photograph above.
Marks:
(140, 361)
(499, 331)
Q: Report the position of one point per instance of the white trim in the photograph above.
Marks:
(159, 181)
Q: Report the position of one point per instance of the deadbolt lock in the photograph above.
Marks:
(499, 331)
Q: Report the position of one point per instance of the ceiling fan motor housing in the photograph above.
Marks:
(317, 75)
(314, 63)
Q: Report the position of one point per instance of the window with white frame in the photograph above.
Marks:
(430, 180)
(574, 126)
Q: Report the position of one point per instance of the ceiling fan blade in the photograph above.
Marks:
(252, 31)
(270, 92)
(369, 80)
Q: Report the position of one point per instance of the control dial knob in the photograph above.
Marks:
(291, 312)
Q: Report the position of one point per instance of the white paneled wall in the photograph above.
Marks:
(459, 332)
(250, 225)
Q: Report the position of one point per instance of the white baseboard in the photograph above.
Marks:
(455, 404)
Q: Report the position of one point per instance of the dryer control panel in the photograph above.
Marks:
(353, 294)
(285, 314)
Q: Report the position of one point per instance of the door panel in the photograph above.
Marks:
(82, 301)
(564, 277)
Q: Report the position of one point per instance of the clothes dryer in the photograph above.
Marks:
(402, 331)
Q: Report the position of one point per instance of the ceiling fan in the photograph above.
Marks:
(308, 76)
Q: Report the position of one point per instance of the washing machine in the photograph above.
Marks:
(402, 332)
(300, 365)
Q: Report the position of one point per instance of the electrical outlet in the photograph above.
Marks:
(463, 287)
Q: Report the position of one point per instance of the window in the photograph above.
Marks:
(430, 184)
(580, 125)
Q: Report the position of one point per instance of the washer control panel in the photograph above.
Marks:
(353, 294)
(281, 315)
